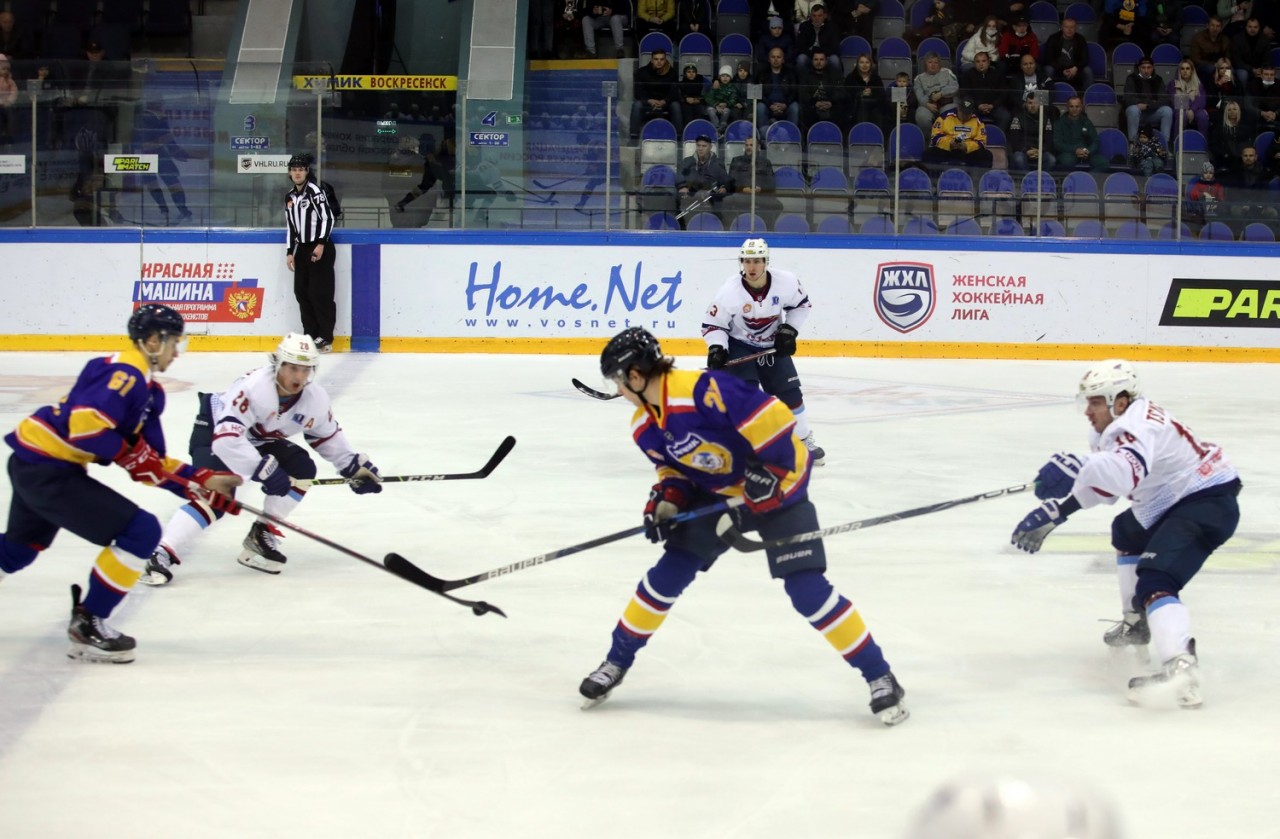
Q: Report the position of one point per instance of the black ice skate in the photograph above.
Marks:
(597, 687)
(159, 571)
(816, 453)
(886, 700)
(1132, 631)
(1179, 679)
(91, 638)
(262, 549)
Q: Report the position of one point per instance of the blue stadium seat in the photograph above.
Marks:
(1216, 231)
(791, 223)
(1257, 232)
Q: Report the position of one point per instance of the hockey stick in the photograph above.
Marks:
(595, 394)
(734, 537)
(441, 586)
(504, 448)
(711, 193)
(394, 564)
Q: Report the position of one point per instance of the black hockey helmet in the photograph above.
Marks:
(635, 347)
(152, 319)
(301, 161)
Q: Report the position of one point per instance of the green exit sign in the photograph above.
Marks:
(515, 119)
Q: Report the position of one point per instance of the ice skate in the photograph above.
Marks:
(92, 640)
(159, 571)
(1178, 680)
(886, 700)
(816, 453)
(262, 549)
(597, 686)
(1131, 631)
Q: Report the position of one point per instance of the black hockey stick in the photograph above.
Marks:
(734, 537)
(441, 586)
(595, 394)
(394, 564)
(504, 448)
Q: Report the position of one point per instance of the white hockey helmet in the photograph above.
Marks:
(297, 348)
(754, 249)
(1015, 808)
(1109, 379)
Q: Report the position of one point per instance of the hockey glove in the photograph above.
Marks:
(762, 486)
(215, 490)
(362, 475)
(143, 463)
(1031, 532)
(784, 341)
(717, 357)
(666, 499)
(274, 480)
(1056, 478)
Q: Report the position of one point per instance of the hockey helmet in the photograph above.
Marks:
(296, 348)
(754, 249)
(635, 347)
(301, 161)
(1109, 379)
(1013, 808)
(155, 319)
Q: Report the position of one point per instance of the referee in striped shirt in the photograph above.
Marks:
(311, 253)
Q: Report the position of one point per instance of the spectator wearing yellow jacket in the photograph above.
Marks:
(959, 138)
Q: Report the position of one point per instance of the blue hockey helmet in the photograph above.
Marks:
(635, 347)
(155, 319)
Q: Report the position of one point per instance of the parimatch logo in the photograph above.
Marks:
(1231, 303)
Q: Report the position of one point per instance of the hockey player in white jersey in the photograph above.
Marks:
(1183, 491)
(245, 431)
(758, 309)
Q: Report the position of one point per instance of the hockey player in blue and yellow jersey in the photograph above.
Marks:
(710, 435)
(111, 415)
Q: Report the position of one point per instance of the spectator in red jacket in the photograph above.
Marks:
(1018, 41)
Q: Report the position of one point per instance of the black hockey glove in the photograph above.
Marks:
(784, 341)
(717, 357)
(362, 476)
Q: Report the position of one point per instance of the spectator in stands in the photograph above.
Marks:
(1018, 41)
(817, 33)
(971, 13)
(935, 87)
(988, 90)
(959, 138)
(1205, 197)
(1075, 139)
(90, 77)
(940, 22)
(692, 90)
(1010, 10)
(908, 106)
(1065, 56)
(986, 39)
(1250, 52)
(1234, 14)
(8, 98)
(868, 99)
(858, 20)
(1149, 153)
(1164, 22)
(655, 16)
(14, 42)
(1223, 89)
(656, 94)
(777, 36)
(1250, 190)
(1230, 138)
(1029, 76)
(1264, 100)
(723, 103)
(1121, 22)
(1207, 46)
(596, 16)
(1026, 151)
(1187, 83)
(822, 95)
(1145, 100)
(741, 78)
(694, 16)
(702, 176)
(542, 28)
(768, 207)
(778, 91)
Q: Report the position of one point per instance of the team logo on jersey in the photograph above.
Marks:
(905, 294)
(700, 454)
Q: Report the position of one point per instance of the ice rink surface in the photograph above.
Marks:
(337, 701)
